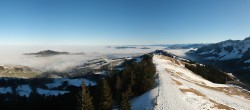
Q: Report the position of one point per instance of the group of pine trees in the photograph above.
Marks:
(209, 73)
(115, 90)
(112, 91)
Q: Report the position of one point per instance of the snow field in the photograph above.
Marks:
(180, 89)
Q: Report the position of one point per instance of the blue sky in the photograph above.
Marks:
(121, 22)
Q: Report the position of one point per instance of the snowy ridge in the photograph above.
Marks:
(180, 89)
(225, 50)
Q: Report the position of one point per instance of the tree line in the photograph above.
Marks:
(112, 91)
(116, 89)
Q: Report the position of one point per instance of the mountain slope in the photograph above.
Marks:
(18, 71)
(226, 50)
(185, 46)
(181, 89)
(231, 55)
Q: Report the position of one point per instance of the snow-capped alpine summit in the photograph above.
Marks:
(227, 50)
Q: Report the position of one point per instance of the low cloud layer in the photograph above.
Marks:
(14, 55)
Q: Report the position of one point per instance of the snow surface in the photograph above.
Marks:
(138, 59)
(24, 90)
(50, 92)
(223, 52)
(207, 52)
(245, 47)
(239, 48)
(168, 95)
(145, 101)
(101, 72)
(71, 82)
(233, 55)
(247, 61)
(210, 58)
(5, 90)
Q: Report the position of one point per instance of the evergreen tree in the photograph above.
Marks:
(125, 105)
(105, 96)
(129, 91)
(85, 100)
(145, 77)
(118, 87)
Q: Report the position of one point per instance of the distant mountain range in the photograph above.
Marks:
(185, 46)
(230, 55)
(227, 50)
(125, 47)
(130, 47)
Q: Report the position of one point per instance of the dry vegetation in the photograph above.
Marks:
(220, 106)
(192, 91)
(227, 90)
(176, 82)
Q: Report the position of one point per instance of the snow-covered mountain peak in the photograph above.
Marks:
(225, 50)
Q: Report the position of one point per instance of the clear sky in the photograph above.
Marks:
(121, 22)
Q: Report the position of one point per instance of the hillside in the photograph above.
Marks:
(181, 89)
(185, 46)
(230, 55)
(18, 71)
(119, 78)
(227, 50)
(155, 81)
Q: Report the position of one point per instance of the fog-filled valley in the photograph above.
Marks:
(15, 55)
(119, 77)
(124, 55)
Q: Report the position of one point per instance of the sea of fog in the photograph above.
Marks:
(14, 55)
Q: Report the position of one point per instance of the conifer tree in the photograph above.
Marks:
(85, 100)
(129, 91)
(118, 87)
(118, 84)
(105, 96)
(125, 105)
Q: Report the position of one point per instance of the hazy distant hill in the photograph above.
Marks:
(185, 46)
(48, 53)
(18, 71)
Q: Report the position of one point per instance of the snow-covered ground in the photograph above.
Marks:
(24, 90)
(70, 82)
(247, 61)
(180, 89)
(4, 90)
(50, 92)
